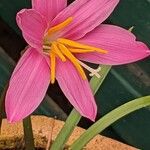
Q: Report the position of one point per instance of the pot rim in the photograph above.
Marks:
(43, 127)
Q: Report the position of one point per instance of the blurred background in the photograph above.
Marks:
(123, 83)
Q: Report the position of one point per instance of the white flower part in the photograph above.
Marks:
(93, 72)
(96, 72)
(45, 47)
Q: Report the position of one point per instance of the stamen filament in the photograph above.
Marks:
(46, 47)
(72, 50)
(68, 54)
(93, 71)
(46, 53)
(81, 46)
(60, 26)
(56, 50)
(53, 67)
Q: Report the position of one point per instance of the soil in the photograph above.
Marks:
(24, 149)
(43, 127)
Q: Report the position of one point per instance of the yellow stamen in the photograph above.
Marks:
(60, 26)
(68, 54)
(81, 46)
(53, 66)
(72, 50)
(56, 50)
(64, 49)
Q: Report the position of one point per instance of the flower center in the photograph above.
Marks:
(65, 49)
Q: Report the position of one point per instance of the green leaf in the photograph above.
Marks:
(109, 119)
(129, 81)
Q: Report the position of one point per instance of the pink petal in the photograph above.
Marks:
(28, 86)
(33, 26)
(76, 89)
(121, 45)
(49, 8)
(87, 14)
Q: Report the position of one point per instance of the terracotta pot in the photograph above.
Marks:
(12, 134)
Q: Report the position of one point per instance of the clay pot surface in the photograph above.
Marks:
(44, 127)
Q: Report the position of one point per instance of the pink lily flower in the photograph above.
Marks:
(60, 38)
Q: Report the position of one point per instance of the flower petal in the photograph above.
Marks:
(28, 86)
(33, 26)
(121, 45)
(87, 14)
(49, 8)
(76, 89)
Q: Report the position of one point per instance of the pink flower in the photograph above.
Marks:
(58, 37)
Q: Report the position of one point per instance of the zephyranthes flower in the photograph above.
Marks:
(60, 38)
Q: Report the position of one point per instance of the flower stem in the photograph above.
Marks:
(109, 119)
(28, 134)
(64, 134)
(74, 116)
(2, 101)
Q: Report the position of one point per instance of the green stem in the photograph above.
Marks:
(28, 134)
(74, 116)
(1, 109)
(70, 124)
(2, 101)
(109, 119)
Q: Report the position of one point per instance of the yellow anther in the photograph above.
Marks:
(56, 50)
(60, 26)
(53, 67)
(75, 50)
(68, 54)
(79, 45)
